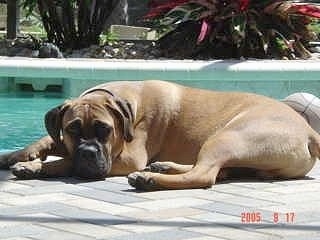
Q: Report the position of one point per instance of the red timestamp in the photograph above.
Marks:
(276, 217)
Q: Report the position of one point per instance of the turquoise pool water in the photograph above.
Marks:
(21, 117)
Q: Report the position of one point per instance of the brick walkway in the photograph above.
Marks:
(71, 209)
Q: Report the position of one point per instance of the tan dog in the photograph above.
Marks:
(185, 136)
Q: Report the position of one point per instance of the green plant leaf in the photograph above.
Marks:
(29, 6)
(238, 28)
(183, 13)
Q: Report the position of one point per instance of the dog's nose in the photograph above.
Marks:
(88, 152)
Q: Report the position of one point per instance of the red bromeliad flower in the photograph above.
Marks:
(256, 28)
(244, 4)
(307, 9)
(205, 30)
(158, 7)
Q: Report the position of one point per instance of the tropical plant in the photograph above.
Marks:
(234, 28)
(31, 23)
(75, 24)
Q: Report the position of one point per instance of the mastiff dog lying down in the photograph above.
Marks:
(166, 136)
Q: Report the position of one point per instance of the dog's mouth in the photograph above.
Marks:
(90, 161)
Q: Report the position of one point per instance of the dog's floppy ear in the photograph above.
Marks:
(127, 112)
(53, 122)
(124, 110)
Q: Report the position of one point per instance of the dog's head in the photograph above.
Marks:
(93, 129)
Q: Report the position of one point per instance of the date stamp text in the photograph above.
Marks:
(277, 217)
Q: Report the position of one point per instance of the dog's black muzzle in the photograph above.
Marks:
(90, 160)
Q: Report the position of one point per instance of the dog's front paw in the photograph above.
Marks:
(142, 181)
(11, 158)
(158, 167)
(27, 170)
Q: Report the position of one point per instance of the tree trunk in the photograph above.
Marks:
(74, 31)
(12, 18)
(119, 14)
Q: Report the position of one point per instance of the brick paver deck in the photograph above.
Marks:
(111, 209)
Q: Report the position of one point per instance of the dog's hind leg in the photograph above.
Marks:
(216, 151)
(229, 148)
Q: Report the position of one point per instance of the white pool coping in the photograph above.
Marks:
(308, 70)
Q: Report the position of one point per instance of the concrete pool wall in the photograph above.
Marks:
(275, 78)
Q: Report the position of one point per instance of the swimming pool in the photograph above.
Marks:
(275, 78)
(21, 117)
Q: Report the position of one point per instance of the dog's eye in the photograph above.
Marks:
(74, 128)
(103, 131)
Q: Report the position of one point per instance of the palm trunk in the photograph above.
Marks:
(69, 30)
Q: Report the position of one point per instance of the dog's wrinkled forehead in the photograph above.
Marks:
(86, 110)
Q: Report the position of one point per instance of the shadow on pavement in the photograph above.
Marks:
(5, 175)
(107, 221)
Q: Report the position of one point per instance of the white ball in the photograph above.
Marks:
(307, 105)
